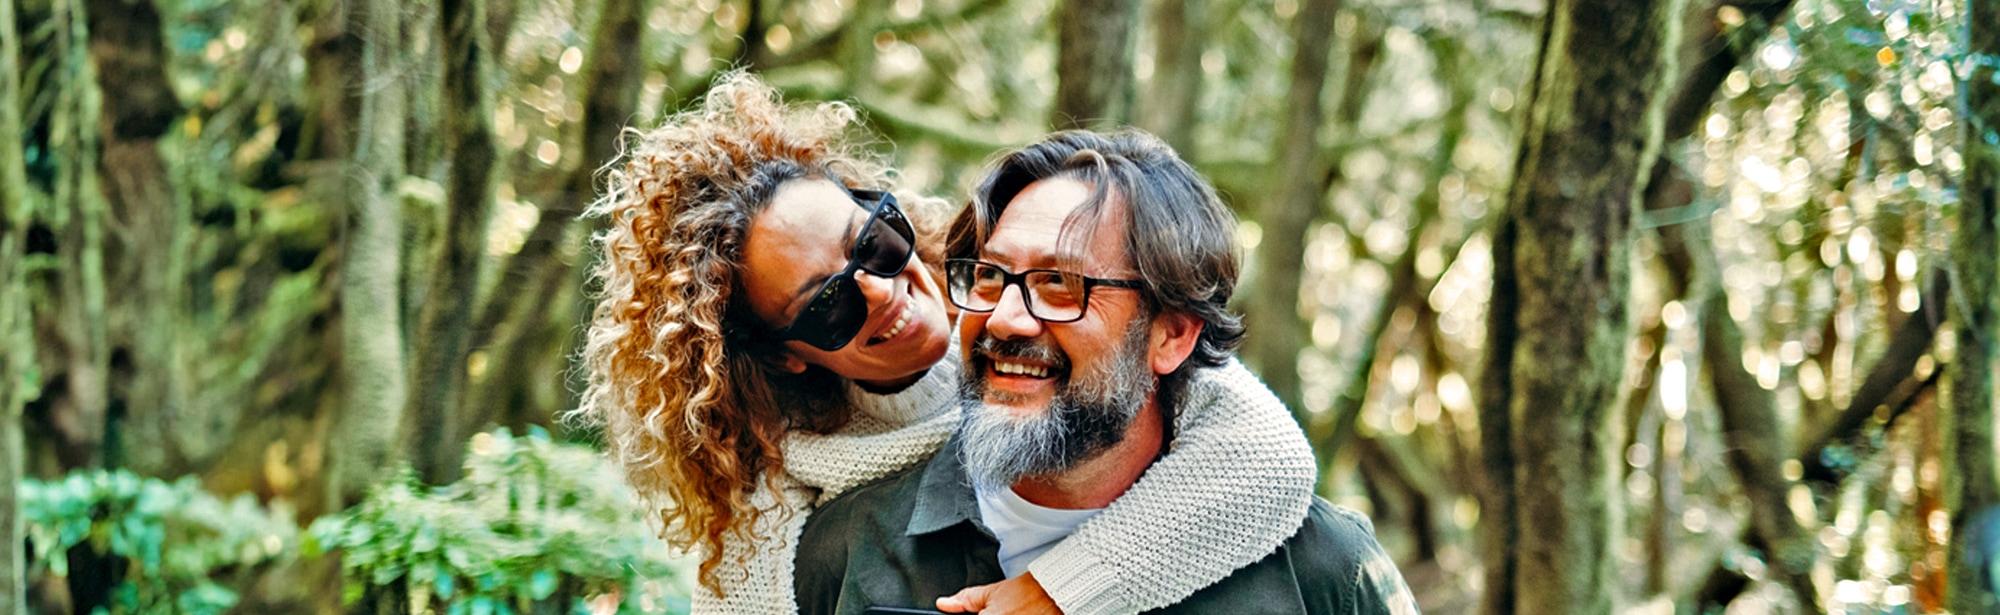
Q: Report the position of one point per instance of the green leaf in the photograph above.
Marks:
(482, 605)
(426, 540)
(542, 585)
(444, 582)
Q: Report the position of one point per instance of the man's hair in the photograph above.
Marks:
(1180, 237)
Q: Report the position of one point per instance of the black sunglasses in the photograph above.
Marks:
(838, 311)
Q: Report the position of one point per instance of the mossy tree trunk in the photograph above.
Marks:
(433, 446)
(149, 250)
(1094, 65)
(17, 351)
(371, 255)
(1558, 320)
(1972, 489)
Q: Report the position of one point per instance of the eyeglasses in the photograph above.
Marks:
(1051, 296)
(838, 311)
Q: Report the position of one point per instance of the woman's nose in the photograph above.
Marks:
(877, 289)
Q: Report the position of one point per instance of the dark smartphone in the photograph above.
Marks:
(896, 610)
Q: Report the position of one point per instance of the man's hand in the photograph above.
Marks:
(1020, 595)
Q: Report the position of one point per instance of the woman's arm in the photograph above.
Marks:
(1236, 482)
(762, 584)
(889, 433)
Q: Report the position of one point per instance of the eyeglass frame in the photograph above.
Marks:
(884, 201)
(1020, 280)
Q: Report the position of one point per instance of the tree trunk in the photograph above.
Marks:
(433, 445)
(1169, 107)
(128, 50)
(1971, 488)
(371, 253)
(333, 57)
(1272, 315)
(1094, 65)
(80, 352)
(516, 309)
(17, 350)
(1562, 284)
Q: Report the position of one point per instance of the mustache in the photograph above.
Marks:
(1035, 350)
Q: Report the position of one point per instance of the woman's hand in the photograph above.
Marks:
(1020, 595)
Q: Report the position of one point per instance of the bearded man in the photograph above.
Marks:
(1092, 273)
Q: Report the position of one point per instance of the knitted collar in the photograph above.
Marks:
(936, 392)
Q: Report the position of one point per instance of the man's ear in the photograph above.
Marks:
(1171, 340)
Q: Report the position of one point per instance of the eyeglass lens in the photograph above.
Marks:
(980, 286)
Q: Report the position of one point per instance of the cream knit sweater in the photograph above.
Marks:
(1235, 484)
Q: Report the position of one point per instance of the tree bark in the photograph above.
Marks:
(1272, 316)
(1172, 100)
(333, 58)
(371, 251)
(1094, 66)
(1971, 488)
(517, 306)
(128, 50)
(434, 447)
(1562, 269)
(17, 350)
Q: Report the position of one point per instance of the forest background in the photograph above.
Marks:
(1593, 306)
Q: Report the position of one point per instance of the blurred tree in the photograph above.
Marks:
(515, 315)
(16, 348)
(375, 383)
(434, 447)
(1298, 175)
(1557, 325)
(332, 55)
(1180, 34)
(1094, 66)
(1972, 488)
(150, 241)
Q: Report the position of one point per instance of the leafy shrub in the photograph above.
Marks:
(534, 526)
(174, 538)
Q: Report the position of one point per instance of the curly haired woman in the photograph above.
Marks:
(770, 333)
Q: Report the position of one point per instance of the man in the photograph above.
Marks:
(1092, 271)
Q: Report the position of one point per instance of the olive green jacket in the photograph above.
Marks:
(916, 535)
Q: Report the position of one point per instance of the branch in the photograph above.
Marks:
(1720, 52)
(903, 122)
(826, 46)
(1883, 393)
(1751, 434)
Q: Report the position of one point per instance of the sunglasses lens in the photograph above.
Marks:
(884, 248)
(830, 321)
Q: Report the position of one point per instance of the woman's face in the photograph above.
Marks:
(804, 238)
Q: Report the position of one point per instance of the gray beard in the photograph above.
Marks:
(1089, 413)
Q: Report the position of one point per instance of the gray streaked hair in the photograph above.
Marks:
(1180, 237)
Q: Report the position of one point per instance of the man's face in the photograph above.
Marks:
(1041, 397)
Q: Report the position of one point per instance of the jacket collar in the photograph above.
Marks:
(944, 495)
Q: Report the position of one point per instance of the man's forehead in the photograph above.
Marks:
(1039, 221)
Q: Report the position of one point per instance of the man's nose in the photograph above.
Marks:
(1010, 318)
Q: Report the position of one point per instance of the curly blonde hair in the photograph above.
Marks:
(678, 369)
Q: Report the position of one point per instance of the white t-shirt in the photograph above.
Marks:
(1026, 530)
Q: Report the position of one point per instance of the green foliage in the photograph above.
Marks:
(174, 537)
(534, 522)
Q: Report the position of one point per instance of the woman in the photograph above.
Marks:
(770, 332)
